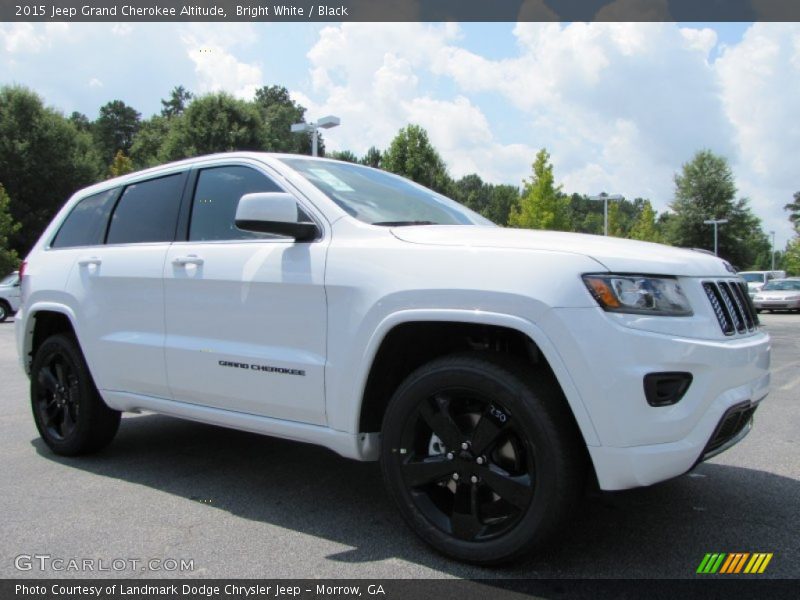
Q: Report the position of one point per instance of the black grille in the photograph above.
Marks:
(732, 306)
(732, 423)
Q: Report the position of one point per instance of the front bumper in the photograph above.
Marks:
(776, 304)
(641, 444)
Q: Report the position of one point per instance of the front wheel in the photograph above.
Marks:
(70, 414)
(5, 310)
(482, 456)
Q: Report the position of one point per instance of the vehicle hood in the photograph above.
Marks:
(616, 254)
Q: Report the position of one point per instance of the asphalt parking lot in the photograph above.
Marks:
(242, 505)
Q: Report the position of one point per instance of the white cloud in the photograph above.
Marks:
(760, 80)
(216, 66)
(620, 106)
(377, 92)
(94, 82)
(122, 29)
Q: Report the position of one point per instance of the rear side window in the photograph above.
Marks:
(147, 211)
(86, 223)
(215, 200)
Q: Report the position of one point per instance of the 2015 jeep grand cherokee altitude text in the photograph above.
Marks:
(490, 370)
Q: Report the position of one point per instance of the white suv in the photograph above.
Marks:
(490, 370)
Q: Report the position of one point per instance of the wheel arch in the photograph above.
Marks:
(374, 395)
(41, 321)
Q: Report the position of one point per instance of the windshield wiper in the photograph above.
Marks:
(403, 223)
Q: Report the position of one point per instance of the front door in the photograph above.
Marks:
(245, 312)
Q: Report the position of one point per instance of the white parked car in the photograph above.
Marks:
(779, 294)
(9, 295)
(756, 280)
(489, 370)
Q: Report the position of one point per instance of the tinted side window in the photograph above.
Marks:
(216, 198)
(147, 211)
(86, 223)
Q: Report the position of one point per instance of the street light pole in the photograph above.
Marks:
(313, 128)
(773, 250)
(605, 198)
(716, 223)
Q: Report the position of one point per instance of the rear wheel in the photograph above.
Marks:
(70, 414)
(5, 310)
(482, 456)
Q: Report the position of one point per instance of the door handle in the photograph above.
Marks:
(89, 261)
(191, 259)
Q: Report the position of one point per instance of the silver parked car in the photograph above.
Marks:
(9, 295)
(778, 294)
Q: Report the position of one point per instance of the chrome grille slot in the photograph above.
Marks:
(736, 311)
(732, 306)
(744, 295)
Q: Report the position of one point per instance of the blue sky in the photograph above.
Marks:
(620, 106)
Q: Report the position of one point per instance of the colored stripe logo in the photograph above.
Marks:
(734, 563)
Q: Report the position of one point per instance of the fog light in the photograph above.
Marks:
(665, 389)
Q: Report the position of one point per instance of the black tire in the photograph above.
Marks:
(69, 413)
(513, 418)
(5, 311)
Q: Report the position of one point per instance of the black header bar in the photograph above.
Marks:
(399, 10)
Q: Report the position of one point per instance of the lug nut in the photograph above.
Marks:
(474, 479)
(465, 446)
(455, 476)
(480, 460)
(449, 456)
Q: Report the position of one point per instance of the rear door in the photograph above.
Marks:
(245, 312)
(119, 290)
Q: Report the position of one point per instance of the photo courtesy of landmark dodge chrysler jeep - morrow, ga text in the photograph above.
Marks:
(491, 371)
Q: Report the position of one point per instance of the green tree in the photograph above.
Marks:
(472, 192)
(791, 257)
(705, 189)
(644, 227)
(617, 221)
(501, 199)
(412, 155)
(344, 155)
(541, 205)
(44, 158)
(148, 148)
(115, 128)
(9, 259)
(120, 165)
(215, 123)
(176, 104)
(278, 112)
(794, 212)
(81, 121)
(372, 158)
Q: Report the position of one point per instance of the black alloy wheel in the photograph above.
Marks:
(57, 396)
(482, 456)
(467, 464)
(69, 413)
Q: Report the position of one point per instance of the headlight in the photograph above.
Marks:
(639, 294)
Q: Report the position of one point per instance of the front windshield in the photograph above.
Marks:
(784, 286)
(377, 197)
(10, 279)
(752, 277)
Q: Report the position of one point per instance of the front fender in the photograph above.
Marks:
(344, 414)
